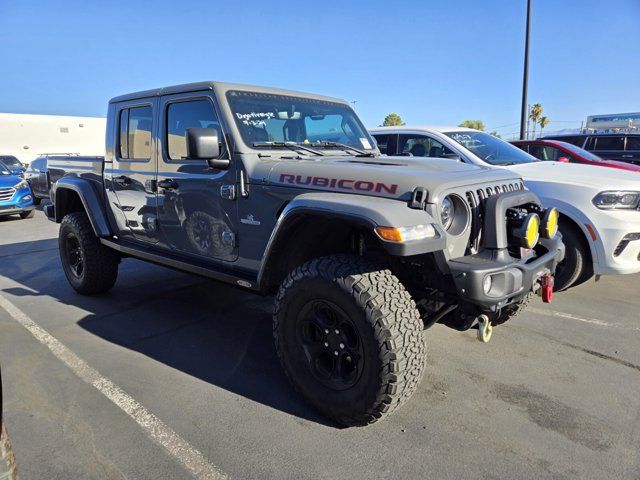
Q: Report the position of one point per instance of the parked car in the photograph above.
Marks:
(13, 164)
(15, 194)
(284, 193)
(40, 178)
(624, 147)
(600, 221)
(557, 151)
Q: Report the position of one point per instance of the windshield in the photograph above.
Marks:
(264, 118)
(491, 149)
(579, 151)
(10, 161)
(4, 170)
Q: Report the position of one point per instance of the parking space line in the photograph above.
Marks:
(569, 316)
(176, 446)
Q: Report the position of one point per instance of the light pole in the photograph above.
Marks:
(523, 112)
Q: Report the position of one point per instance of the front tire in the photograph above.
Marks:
(29, 214)
(89, 266)
(575, 266)
(349, 337)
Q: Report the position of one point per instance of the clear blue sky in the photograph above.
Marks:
(430, 61)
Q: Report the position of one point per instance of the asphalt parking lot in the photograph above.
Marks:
(199, 391)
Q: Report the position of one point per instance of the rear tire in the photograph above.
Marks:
(29, 214)
(89, 266)
(349, 337)
(574, 267)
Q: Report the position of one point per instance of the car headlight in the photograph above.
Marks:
(528, 230)
(21, 185)
(447, 212)
(406, 234)
(611, 200)
(550, 221)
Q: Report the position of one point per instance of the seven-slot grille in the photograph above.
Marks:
(474, 199)
(6, 193)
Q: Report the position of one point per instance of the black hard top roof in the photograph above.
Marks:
(209, 85)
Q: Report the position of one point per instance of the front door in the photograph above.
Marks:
(130, 176)
(197, 210)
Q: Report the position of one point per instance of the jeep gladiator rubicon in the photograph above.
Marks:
(284, 193)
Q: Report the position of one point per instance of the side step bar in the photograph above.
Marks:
(184, 265)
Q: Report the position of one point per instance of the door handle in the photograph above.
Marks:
(626, 156)
(122, 181)
(168, 184)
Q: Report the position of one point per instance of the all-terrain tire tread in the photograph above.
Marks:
(393, 314)
(101, 263)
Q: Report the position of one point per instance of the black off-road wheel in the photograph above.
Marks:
(349, 337)
(575, 265)
(89, 266)
(29, 214)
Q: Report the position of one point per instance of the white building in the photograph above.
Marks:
(613, 123)
(27, 136)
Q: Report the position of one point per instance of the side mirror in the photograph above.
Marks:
(563, 159)
(203, 144)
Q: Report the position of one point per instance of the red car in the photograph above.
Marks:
(554, 150)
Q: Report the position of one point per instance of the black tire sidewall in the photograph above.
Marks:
(334, 403)
(573, 263)
(66, 230)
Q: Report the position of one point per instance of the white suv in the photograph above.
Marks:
(600, 206)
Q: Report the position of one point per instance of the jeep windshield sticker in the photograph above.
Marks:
(340, 183)
(255, 119)
(365, 143)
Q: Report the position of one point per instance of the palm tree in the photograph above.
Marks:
(534, 115)
(544, 121)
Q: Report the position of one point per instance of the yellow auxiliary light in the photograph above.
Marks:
(550, 223)
(528, 232)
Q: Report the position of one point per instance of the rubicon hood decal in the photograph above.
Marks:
(349, 184)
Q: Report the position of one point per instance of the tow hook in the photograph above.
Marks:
(485, 329)
(546, 288)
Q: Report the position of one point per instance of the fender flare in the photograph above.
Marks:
(91, 198)
(578, 217)
(363, 211)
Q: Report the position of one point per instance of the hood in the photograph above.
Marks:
(380, 176)
(9, 180)
(577, 174)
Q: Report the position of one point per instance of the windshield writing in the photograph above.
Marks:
(263, 118)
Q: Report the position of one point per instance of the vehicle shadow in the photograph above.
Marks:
(211, 331)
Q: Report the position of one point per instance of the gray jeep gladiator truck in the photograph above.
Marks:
(285, 193)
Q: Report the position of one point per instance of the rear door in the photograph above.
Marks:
(130, 177)
(197, 210)
(632, 149)
(608, 146)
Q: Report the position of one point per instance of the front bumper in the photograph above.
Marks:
(21, 201)
(614, 255)
(512, 279)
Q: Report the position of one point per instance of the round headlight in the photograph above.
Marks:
(550, 221)
(447, 212)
